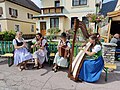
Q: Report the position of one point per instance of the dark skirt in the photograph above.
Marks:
(91, 70)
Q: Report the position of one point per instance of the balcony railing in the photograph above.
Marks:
(52, 10)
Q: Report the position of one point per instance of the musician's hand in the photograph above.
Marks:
(83, 44)
(59, 46)
(80, 48)
(39, 50)
(32, 46)
(24, 45)
(86, 51)
(37, 45)
(67, 48)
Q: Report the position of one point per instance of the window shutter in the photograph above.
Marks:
(10, 11)
(1, 10)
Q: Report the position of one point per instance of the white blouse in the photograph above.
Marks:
(15, 43)
(96, 48)
(44, 42)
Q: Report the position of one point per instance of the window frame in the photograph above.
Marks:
(13, 12)
(1, 11)
(17, 28)
(73, 3)
(55, 22)
(29, 16)
(0, 27)
(32, 28)
(72, 21)
(57, 3)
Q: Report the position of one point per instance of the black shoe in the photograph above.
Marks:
(52, 69)
(35, 66)
(80, 80)
(40, 66)
(55, 70)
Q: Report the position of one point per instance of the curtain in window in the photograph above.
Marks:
(57, 22)
(76, 2)
(1, 10)
(0, 28)
(83, 2)
(79, 2)
(54, 22)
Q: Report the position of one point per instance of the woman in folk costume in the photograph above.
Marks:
(21, 54)
(93, 63)
(59, 60)
(41, 54)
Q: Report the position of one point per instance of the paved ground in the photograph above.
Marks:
(45, 79)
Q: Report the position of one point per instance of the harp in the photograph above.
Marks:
(76, 64)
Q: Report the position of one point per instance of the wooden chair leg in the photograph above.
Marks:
(10, 61)
(49, 62)
(106, 74)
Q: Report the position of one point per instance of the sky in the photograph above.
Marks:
(37, 2)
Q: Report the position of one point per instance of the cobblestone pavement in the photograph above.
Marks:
(46, 79)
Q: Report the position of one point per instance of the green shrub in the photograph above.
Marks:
(8, 35)
(53, 32)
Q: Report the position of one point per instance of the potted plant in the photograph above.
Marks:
(53, 32)
(95, 18)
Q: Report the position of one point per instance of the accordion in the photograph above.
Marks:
(62, 51)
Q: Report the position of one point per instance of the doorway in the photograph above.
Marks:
(115, 27)
(43, 28)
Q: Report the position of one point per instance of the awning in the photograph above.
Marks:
(49, 15)
(114, 13)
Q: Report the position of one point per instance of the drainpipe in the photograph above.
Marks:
(97, 5)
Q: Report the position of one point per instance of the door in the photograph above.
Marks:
(43, 28)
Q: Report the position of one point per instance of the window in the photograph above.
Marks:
(0, 28)
(1, 11)
(54, 22)
(32, 28)
(13, 12)
(30, 16)
(79, 2)
(85, 21)
(57, 3)
(17, 28)
(72, 21)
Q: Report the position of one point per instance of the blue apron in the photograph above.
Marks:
(92, 68)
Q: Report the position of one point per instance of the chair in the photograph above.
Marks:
(52, 52)
(108, 66)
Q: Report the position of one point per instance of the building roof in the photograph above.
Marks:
(114, 13)
(108, 6)
(26, 3)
